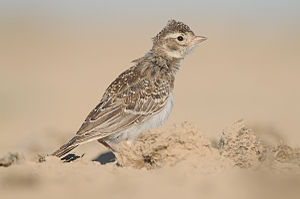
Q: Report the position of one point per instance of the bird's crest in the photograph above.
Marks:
(171, 27)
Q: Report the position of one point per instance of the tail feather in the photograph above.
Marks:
(66, 148)
(73, 143)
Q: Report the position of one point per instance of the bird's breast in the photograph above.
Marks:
(161, 117)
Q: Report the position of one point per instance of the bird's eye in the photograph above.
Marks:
(179, 38)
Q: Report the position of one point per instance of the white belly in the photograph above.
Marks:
(134, 131)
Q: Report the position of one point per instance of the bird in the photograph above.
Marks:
(141, 98)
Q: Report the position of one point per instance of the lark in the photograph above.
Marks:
(141, 98)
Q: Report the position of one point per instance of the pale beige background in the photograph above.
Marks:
(58, 57)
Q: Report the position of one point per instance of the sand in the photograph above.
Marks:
(171, 162)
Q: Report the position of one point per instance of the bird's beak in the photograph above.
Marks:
(199, 39)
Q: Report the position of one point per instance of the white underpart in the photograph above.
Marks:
(175, 54)
(135, 130)
(190, 50)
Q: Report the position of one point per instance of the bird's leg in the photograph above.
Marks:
(106, 145)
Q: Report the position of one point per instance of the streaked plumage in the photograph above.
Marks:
(141, 97)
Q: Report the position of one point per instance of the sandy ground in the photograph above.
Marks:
(172, 162)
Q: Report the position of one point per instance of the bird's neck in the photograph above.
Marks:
(172, 63)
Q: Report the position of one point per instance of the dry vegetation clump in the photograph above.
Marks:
(285, 158)
(10, 159)
(185, 144)
(241, 145)
(165, 147)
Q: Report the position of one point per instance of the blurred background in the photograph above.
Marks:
(58, 57)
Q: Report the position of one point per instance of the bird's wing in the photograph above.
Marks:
(122, 107)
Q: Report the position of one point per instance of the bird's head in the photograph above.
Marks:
(176, 40)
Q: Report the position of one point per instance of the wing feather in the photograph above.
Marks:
(117, 111)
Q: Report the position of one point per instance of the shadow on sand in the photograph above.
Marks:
(71, 157)
(105, 158)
